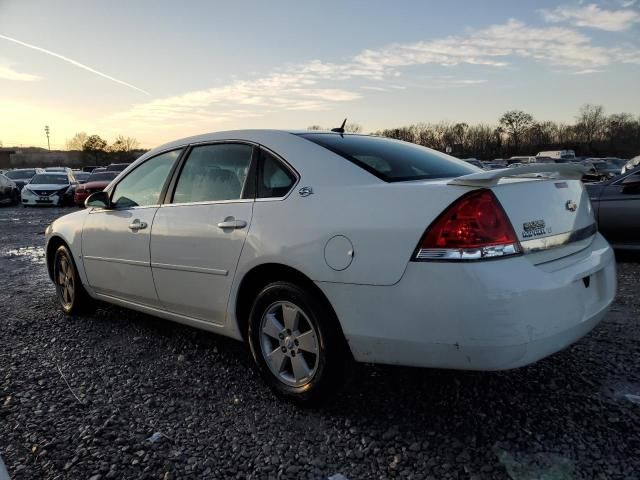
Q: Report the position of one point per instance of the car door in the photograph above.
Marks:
(619, 211)
(115, 241)
(198, 236)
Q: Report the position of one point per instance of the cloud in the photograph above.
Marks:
(8, 73)
(495, 46)
(317, 85)
(593, 16)
(282, 91)
(587, 71)
(73, 62)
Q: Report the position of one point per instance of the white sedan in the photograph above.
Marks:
(50, 188)
(320, 248)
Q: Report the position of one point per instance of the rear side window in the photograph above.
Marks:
(392, 160)
(214, 173)
(274, 180)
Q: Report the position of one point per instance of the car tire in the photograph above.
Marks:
(71, 294)
(291, 333)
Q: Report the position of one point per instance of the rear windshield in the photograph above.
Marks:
(49, 179)
(102, 177)
(20, 174)
(392, 160)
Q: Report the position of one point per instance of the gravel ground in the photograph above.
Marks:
(123, 395)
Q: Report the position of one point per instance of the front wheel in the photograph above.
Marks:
(71, 294)
(296, 343)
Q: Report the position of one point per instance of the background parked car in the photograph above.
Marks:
(616, 205)
(9, 193)
(81, 177)
(96, 183)
(609, 165)
(49, 188)
(21, 176)
(117, 167)
(475, 162)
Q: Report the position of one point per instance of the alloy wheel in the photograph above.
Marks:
(289, 343)
(65, 283)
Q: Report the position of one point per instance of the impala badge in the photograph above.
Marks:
(305, 191)
(571, 205)
(535, 228)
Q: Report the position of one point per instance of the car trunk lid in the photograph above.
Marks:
(547, 205)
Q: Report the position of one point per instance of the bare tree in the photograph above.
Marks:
(590, 123)
(124, 144)
(315, 127)
(77, 141)
(515, 124)
(353, 128)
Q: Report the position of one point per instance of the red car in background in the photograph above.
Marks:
(95, 183)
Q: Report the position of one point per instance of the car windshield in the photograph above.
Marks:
(49, 179)
(600, 165)
(617, 162)
(392, 160)
(102, 177)
(20, 174)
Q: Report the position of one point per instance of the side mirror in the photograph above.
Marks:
(98, 200)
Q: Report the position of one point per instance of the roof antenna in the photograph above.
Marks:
(340, 129)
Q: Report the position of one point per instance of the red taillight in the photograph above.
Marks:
(474, 227)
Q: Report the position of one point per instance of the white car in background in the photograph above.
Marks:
(49, 189)
(319, 248)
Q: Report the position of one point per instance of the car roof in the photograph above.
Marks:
(248, 135)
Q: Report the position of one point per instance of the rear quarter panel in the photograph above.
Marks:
(383, 221)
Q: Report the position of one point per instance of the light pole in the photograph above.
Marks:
(46, 131)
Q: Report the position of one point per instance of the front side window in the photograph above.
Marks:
(391, 160)
(274, 179)
(143, 186)
(214, 173)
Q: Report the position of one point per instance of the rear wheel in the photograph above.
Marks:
(297, 344)
(71, 294)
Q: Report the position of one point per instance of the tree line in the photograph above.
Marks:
(594, 133)
(95, 149)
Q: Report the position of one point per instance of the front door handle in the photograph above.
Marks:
(137, 225)
(232, 223)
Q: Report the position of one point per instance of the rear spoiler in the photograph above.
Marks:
(541, 170)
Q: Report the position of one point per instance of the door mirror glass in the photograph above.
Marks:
(98, 200)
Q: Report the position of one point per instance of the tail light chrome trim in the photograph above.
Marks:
(481, 253)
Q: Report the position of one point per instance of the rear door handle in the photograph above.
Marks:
(137, 225)
(232, 223)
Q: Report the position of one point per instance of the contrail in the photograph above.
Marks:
(73, 62)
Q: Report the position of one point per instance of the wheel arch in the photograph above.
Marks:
(259, 277)
(52, 245)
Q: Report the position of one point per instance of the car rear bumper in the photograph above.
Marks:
(488, 315)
